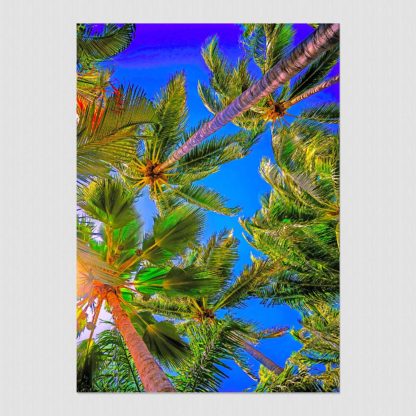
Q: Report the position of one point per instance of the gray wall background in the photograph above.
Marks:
(37, 99)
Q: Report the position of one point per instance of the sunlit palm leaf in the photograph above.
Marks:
(175, 281)
(161, 338)
(108, 201)
(91, 267)
(172, 233)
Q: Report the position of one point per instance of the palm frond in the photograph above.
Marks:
(290, 380)
(91, 86)
(98, 47)
(108, 201)
(226, 83)
(244, 286)
(268, 43)
(172, 234)
(169, 307)
(315, 73)
(85, 228)
(88, 358)
(219, 255)
(175, 281)
(218, 65)
(209, 98)
(205, 198)
(117, 372)
(108, 135)
(324, 113)
(161, 337)
(91, 267)
(210, 154)
(171, 112)
(210, 344)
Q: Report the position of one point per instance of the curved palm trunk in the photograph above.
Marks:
(261, 358)
(151, 375)
(306, 52)
(311, 91)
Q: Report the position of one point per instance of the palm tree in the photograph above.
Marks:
(217, 257)
(119, 265)
(322, 40)
(176, 185)
(298, 224)
(266, 45)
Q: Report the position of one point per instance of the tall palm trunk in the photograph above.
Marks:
(261, 358)
(151, 375)
(311, 91)
(306, 52)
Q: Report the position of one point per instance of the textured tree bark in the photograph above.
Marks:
(151, 375)
(306, 52)
(311, 91)
(261, 358)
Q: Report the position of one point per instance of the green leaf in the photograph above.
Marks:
(218, 256)
(209, 98)
(92, 267)
(211, 344)
(110, 42)
(171, 113)
(172, 233)
(108, 136)
(205, 198)
(116, 368)
(290, 380)
(315, 73)
(325, 113)
(170, 307)
(269, 43)
(108, 201)
(244, 287)
(165, 344)
(175, 281)
(212, 153)
(161, 338)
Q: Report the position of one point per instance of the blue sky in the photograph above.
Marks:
(156, 53)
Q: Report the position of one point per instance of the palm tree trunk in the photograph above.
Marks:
(261, 358)
(306, 52)
(151, 375)
(311, 91)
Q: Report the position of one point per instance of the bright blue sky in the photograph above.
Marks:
(156, 53)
